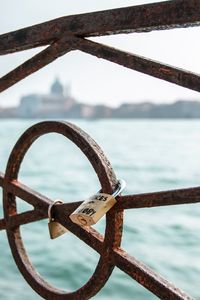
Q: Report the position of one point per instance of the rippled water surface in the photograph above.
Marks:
(151, 155)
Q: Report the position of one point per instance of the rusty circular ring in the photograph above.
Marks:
(114, 220)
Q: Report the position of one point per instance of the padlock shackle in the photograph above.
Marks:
(57, 201)
(121, 184)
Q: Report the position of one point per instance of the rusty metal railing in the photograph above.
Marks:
(63, 35)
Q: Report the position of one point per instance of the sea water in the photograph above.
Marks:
(150, 155)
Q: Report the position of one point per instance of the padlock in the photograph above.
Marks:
(94, 208)
(55, 228)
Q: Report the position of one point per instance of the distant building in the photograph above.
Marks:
(59, 103)
(55, 104)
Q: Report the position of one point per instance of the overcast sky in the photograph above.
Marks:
(94, 80)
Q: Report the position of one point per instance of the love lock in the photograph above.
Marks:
(55, 228)
(94, 208)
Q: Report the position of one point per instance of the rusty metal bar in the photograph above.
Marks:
(24, 218)
(173, 197)
(1, 179)
(27, 194)
(134, 268)
(27, 217)
(141, 64)
(37, 62)
(141, 18)
(147, 277)
(138, 63)
(2, 224)
(162, 198)
(87, 234)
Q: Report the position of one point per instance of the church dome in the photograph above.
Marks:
(57, 88)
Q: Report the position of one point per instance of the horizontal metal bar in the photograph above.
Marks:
(27, 217)
(163, 198)
(23, 218)
(141, 64)
(172, 197)
(141, 18)
(147, 277)
(37, 62)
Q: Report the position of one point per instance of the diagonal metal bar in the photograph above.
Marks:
(30, 196)
(141, 64)
(172, 197)
(134, 268)
(137, 270)
(39, 201)
(141, 18)
(87, 234)
(37, 62)
(147, 277)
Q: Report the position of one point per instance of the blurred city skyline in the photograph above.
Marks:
(94, 80)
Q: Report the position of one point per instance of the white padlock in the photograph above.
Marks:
(94, 208)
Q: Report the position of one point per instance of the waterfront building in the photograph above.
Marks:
(55, 104)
